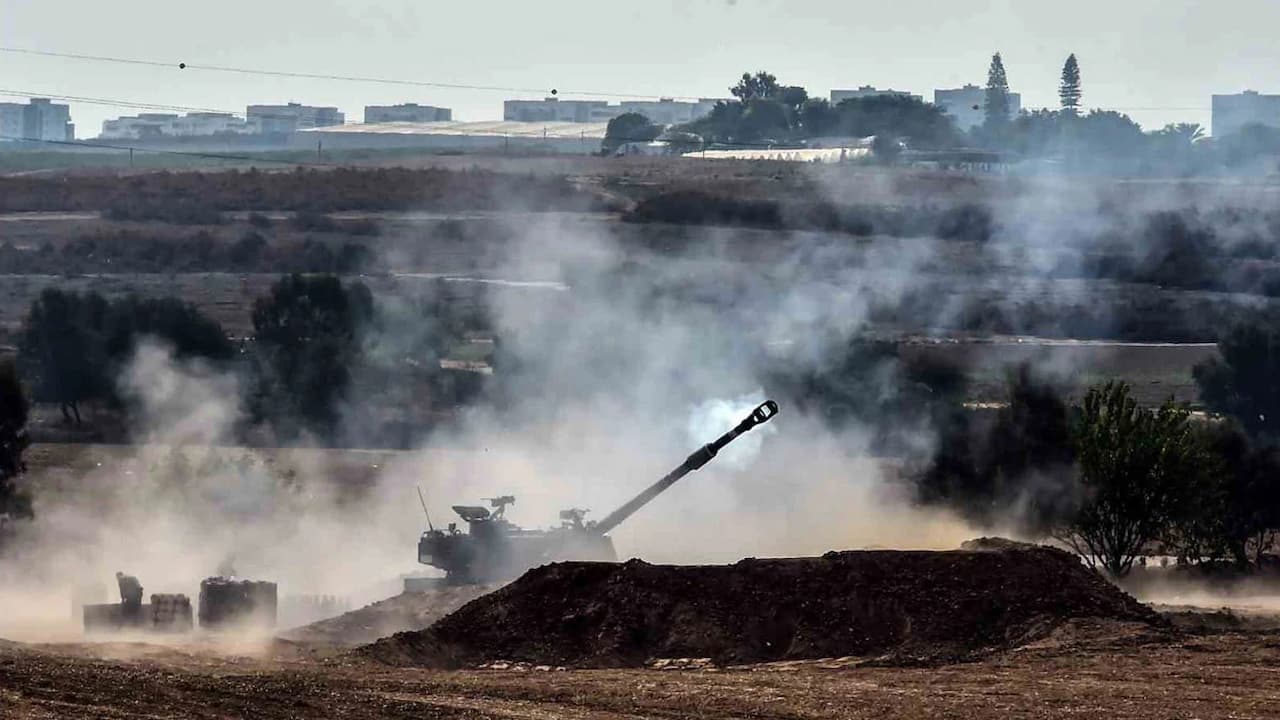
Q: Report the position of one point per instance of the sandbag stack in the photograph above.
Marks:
(171, 612)
(234, 603)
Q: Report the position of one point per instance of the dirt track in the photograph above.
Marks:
(1104, 671)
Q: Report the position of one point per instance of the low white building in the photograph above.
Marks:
(159, 125)
(494, 137)
(967, 105)
(668, 111)
(292, 117)
(1233, 112)
(664, 111)
(866, 91)
(556, 110)
(406, 112)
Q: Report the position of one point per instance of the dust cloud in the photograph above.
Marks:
(613, 382)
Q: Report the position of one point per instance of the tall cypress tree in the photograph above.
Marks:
(996, 106)
(1069, 91)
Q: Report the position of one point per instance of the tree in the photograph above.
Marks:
(1238, 515)
(308, 335)
(1020, 468)
(923, 124)
(1252, 146)
(793, 99)
(818, 118)
(996, 104)
(14, 504)
(181, 326)
(1135, 467)
(1069, 89)
(1176, 146)
(61, 350)
(1244, 382)
(761, 86)
(1182, 134)
(763, 120)
(72, 347)
(629, 127)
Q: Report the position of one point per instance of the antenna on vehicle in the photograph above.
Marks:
(423, 500)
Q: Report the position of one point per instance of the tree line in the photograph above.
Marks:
(314, 338)
(766, 112)
(201, 197)
(1117, 481)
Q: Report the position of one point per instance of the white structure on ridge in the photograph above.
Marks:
(866, 91)
(157, 125)
(967, 105)
(406, 112)
(1233, 112)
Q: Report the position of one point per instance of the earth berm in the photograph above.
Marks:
(885, 606)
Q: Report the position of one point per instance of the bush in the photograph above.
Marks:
(1242, 384)
(1137, 469)
(308, 336)
(72, 346)
(14, 502)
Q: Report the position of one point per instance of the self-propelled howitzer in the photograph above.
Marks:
(493, 548)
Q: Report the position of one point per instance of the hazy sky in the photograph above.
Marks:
(1158, 60)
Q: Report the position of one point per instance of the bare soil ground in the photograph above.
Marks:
(1105, 671)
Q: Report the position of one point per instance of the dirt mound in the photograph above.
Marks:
(890, 605)
(995, 544)
(402, 613)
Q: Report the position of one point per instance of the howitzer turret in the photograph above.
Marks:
(495, 549)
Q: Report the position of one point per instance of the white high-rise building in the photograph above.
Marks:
(39, 119)
(967, 105)
(11, 118)
(1233, 112)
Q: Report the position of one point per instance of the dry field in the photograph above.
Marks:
(1108, 672)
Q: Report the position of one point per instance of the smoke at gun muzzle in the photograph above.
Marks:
(711, 418)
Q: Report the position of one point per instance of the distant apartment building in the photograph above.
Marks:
(866, 91)
(44, 119)
(967, 105)
(291, 117)
(1233, 112)
(39, 119)
(406, 112)
(196, 124)
(557, 110)
(11, 118)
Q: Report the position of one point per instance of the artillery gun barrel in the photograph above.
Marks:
(700, 457)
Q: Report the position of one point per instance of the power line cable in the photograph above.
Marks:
(328, 76)
(141, 105)
(425, 83)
